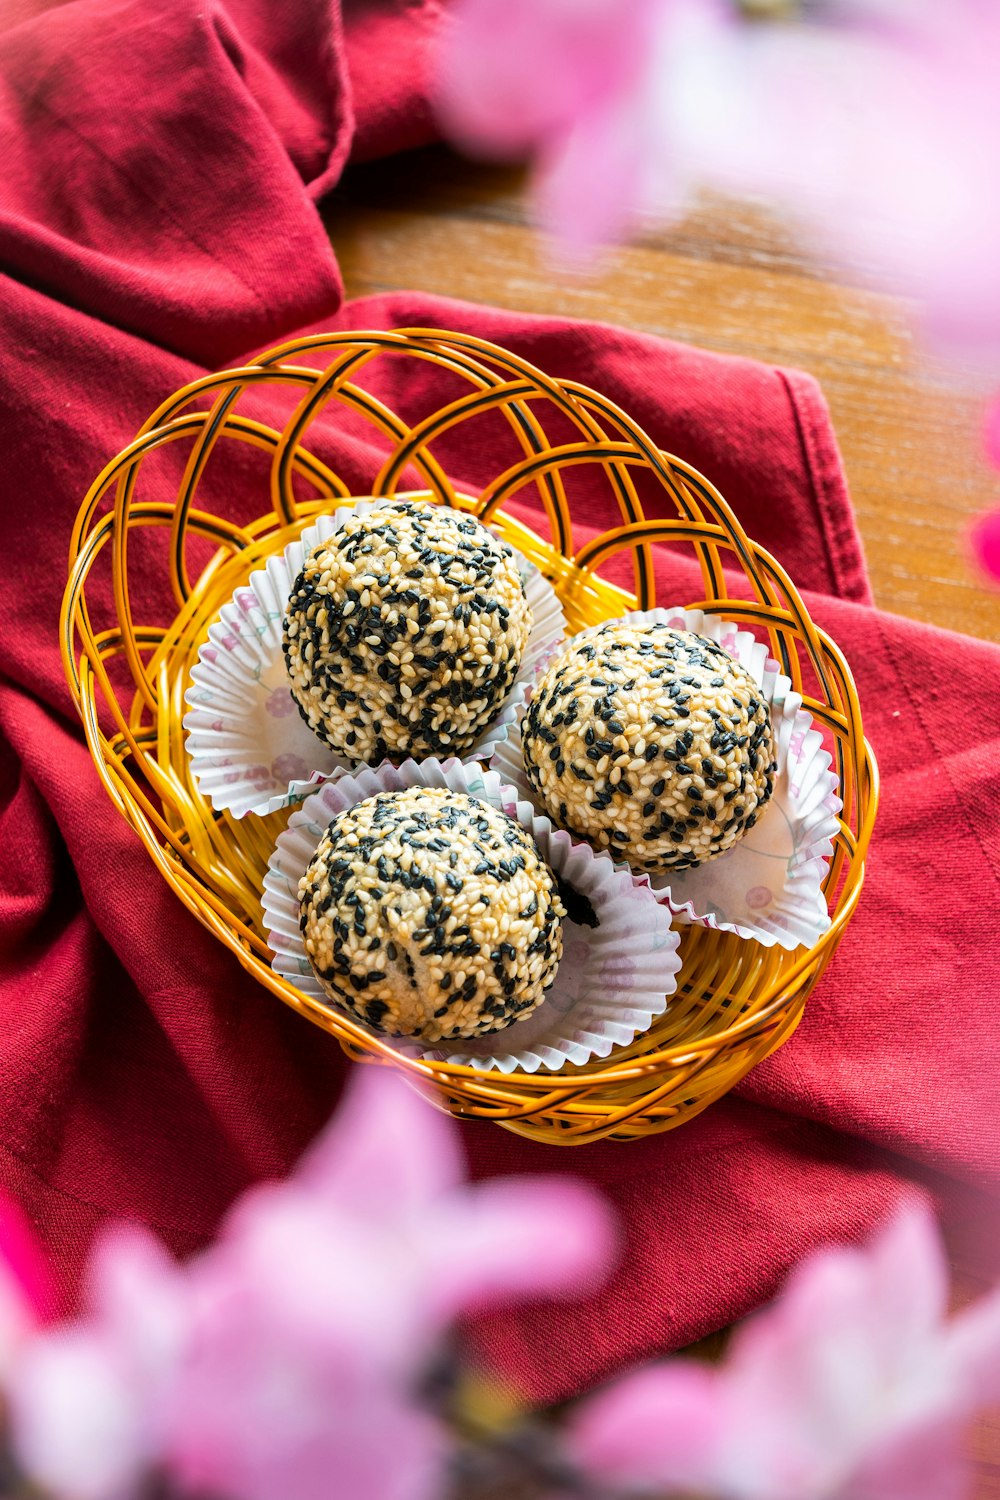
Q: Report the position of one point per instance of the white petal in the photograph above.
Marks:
(76, 1421)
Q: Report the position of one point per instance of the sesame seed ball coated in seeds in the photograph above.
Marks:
(428, 913)
(404, 633)
(652, 743)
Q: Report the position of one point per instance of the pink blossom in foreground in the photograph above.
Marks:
(26, 1293)
(875, 123)
(853, 1385)
(286, 1360)
(879, 127)
(87, 1397)
(316, 1315)
(985, 539)
(985, 533)
(569, 83)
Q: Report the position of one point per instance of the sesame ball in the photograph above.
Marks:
(427, 913)
(404, 633)
(651, 743)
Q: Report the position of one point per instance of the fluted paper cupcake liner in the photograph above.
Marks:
(250, 749)
(612, 979)
(769, 885)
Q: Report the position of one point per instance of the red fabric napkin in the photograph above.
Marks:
(157, 217)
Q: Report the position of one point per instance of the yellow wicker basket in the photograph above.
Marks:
(738, 1001)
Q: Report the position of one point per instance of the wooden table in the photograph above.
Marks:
(729, 278)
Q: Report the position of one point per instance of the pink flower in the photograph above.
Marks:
(86, 1397)
(518, 76)
(872, 122)
(287, 1359)
(27, 1296)
(852, 1386)
(985, 534)
(985, 539)
(549, 79)
(316, 1315)
(878, 129)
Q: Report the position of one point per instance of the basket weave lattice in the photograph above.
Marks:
(737, 1000)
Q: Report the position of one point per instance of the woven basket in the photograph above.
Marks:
(738, 1001)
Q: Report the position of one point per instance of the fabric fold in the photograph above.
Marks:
(157, 219)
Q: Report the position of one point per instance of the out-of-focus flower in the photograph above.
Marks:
(316, 1315)
(985, 533)
(985, 538)
(586, 88)
(87, 1397)
(26, 1293)
(852, 1386)
(875, 123)
(878, 124)
(287, 1359)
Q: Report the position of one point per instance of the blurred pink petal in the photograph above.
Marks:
(972, 1349)
(922, 1462)
(138, 1295)
(22, 1257)
(911, 1307)
(387, 1155)
(286, 1360)
(520, 75)
(589, 186)
(321, 1308)
(27, 1296)
(533, 1236)
(654, 1429)
(872, 126)
(269, 1404)
(567, 82)
(74, 1419)
(851, 1386)
(985, 539)
(873, 122)
(851, 1332)
(86, 1398)
(276, 1258)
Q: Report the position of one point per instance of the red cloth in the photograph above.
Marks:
(161, 158)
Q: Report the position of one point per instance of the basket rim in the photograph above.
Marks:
(85, 652)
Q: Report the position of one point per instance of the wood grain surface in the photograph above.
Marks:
(732, 278)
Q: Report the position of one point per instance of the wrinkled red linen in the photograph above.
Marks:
(161, 163)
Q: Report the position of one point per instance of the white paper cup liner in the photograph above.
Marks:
(250, 749)
(611, 980)
(769, 885)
